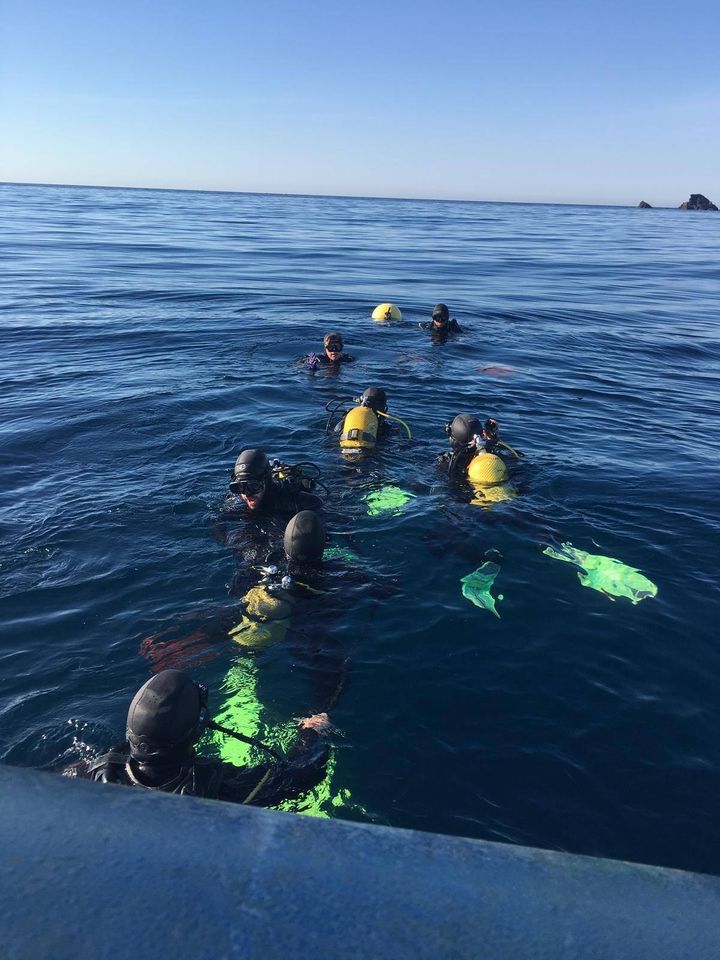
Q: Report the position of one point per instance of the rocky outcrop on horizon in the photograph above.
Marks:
(697, 202)
(644, 206)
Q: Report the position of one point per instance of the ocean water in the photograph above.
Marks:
(148, 336)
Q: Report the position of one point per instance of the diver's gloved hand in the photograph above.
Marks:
(312, 361)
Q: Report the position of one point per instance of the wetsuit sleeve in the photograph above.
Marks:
(454, 326)
(346, 358)
(103, 767)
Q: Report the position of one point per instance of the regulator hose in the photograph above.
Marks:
(389, 416)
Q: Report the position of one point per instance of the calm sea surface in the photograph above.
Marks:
(147, 336)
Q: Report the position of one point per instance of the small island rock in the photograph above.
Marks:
(697, 202)
(644, 206)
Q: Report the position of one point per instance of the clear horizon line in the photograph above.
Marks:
(323, 196)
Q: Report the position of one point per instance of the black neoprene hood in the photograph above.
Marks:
(164, 715)
(252, 465)
(304, 539)
(464, 427)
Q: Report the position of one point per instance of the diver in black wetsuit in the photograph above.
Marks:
(362, 425)
(461, 432)
(270, 606)
(167, 717)
(468, 437)
(265, 493)
(441, 325)
(332, 355)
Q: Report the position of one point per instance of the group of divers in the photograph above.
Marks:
(170, 713)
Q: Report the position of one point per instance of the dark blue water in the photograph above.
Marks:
(147, 336)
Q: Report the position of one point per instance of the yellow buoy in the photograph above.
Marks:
(387, 311)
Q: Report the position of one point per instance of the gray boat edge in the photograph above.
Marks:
(95, 871)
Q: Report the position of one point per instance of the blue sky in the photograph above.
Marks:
(584, 102)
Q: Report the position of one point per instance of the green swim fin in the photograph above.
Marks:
(606, 575)
(388, 499)
(476, 586)
(242, 711)
(340, 553)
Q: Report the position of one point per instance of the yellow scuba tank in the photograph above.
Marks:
(266, 619)
(487, 468)
(490, 480)
(360, 429)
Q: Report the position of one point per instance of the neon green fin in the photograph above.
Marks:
(388, 499)
(340, 553)
(242, 711)
(476, 586)
(608, 576)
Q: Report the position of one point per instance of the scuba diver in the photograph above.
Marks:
(478, 456)
(167, 717)
(268, 606)
(300, 575)
(332, 354)
(290, 660)
(269, 494)
(461, 433)
(362, 425)
(317, 583)
(441, 325)
(274, 488)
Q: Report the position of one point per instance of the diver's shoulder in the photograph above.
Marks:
(96, 768)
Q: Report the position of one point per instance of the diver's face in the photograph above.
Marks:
(439, 323)
(333, 352)
(253, 492)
